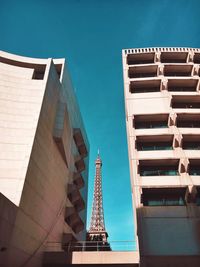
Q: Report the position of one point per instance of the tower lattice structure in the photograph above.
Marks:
(97, 231)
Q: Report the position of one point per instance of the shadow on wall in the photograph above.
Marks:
(8, 212)
(169, 236)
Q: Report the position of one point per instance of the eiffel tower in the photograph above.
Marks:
(97, 232)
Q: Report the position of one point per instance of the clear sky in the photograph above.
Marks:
(91, 35)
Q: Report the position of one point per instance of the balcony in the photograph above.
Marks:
(185, 102)
(120, 257)
(80, 164)
(154, 142)
(182, 85)
(191, 142)
(143, 58)
(62, 132)
(197, 58)
(188, 120)
(80, 143)
(178, 70)
(151, 121)
(159, 167)
(173, 57)
(194, 167)
(75, 197)
(163, 196)
(73, 219)
(145, 86)
(142, 71)
(78, 180)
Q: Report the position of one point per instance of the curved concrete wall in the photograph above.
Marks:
(33, 172)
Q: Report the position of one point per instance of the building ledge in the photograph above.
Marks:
(106, 257)
(92, 258)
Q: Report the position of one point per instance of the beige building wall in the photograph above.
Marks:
(43, 158)
(161, 88)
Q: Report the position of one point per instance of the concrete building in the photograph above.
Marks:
(162, 99)
(43, 160)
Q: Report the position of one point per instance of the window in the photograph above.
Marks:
(158, 171)
(163, 196)
(148, 146)
(194, 167)
(194, 170)
(140, 58)
(151, 121)
(158, 167)
(165, 201)
(187, 102)
(173, 57)
(142, 71)
(191, 145)
(145, 86)
(151, 124)
(191, 142)
(188, 120)
(38, 75)
(197, 58)
(182, 85)
(177, 70)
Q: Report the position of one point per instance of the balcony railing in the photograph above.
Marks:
(141, 75)
(158, 172)
(177, 74)
(145, 147)
(92, 246)
(188, 124)
(182, 89)
(191, 146)
(165, 201)
(194, 171)
(163, 196)
(185, 105)
(151, 125)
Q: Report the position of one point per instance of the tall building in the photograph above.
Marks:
(43, 160)
(97, 231)
(162, 100)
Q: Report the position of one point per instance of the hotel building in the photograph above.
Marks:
(162, 102)
(43, 160)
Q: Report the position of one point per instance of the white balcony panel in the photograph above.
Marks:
(187, 110)
(155, 131)
(155, 154)
(192, 153)
(165, 180)
(189, 130)
(195, 179)
(148, 106)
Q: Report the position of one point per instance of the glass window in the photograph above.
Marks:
(166, 201)
(154, 146)
(191, 145)
(158, 172)
(151, 125)
(194, 171)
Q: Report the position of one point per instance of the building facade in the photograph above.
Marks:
(162, 102)
(43, 160)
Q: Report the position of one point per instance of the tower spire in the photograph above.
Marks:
(97, 231)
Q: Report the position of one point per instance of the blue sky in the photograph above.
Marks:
(91, 35)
